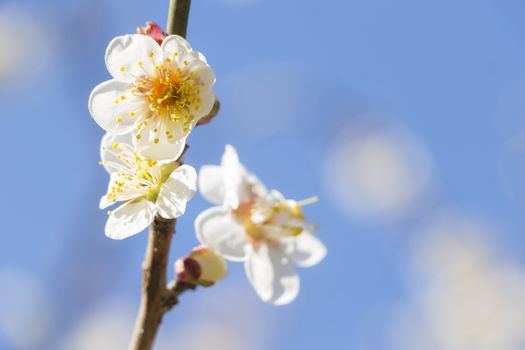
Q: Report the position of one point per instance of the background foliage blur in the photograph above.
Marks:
(407, 118)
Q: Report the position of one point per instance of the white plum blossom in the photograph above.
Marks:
(158, 92)
(262, 228)
(144, 186)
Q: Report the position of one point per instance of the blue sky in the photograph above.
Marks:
(391, 112)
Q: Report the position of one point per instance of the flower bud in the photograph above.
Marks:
(202, 267)
(153, 30)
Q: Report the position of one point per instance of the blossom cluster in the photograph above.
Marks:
(160, 89)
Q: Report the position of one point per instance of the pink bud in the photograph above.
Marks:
(153, 30)
(202, 267)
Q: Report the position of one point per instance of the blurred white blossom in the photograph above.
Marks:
(212, 335)
(263, 229)
(465, 294)
(218, 325)
(377, 171)
(26, 43)
(107, 325)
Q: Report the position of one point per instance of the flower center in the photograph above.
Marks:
(135, 177)
(264, 222)
(172, 92)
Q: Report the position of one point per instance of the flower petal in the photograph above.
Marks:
(216, 228)
(177, 191)
(272, 275)
(198, 56)
(121, 197)
(203, 72)
(176, 48)
(131, 56)
(207, 100)
(233, 172)
(104, 200)
(211, 183)
(305, 249)
(153, 142)
(107, 148)
(114, 107)
(129, 219)
(240, 186)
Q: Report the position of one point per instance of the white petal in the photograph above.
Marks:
(207, 101)
(104, 201)
(239, 185)
(216, 228)
(255, 185)
(107, 152)
(233, 172)
(110, 111)
(130, 56)
(211, 183)
(278, 196)
(230, 158)
(203, 72)
(174, 44)
(272, 275)
(163, 151)
(305, 249)
(177, 191)
(198, 56)
(129, 219)
(121, 197)
(154, 143)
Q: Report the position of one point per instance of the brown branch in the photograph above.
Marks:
(154, 291)
(157, 298)
(153, 284)
(175, 289)
(178, 15)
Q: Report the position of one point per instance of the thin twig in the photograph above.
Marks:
(154, 291)
(178, 15)
(153, 284)
(175, 289)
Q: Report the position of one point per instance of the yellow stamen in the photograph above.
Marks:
(308, 201)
